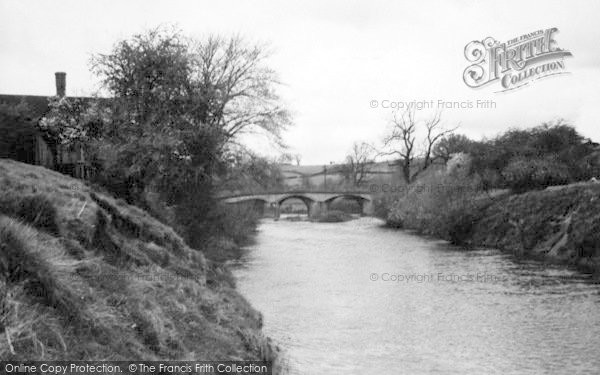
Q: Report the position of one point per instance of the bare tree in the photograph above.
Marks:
(358, 163)
(402, 141)
(284, 158)
(239, 87)
(297, 159)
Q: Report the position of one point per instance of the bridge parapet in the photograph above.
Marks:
(316, 202)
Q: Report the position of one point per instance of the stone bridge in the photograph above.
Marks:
(316, 202)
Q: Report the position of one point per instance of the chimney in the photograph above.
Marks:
(61, 83)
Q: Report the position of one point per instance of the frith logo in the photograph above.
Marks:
(515, 63)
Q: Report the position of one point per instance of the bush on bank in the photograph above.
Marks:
(528, 159)
(382, 204)
(444, 204)
(523, 174)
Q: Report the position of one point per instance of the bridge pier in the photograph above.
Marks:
(317, 209)
(367, 208)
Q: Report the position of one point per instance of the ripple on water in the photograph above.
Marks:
(311, 282)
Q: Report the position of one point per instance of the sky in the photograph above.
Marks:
(334, 58)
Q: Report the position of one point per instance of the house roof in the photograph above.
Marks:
(25, 120)
(37, 105)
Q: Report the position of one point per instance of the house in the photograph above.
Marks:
(21, 138)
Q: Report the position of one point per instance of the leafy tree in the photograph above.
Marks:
(549, 146)
(150, 76)
(157, 120)
(180, 105)
(449, 145)
(554, 138)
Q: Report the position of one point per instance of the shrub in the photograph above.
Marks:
(444, 204)
(460, 221)
(382, 205)
(202, 221)
(238, 222)
(555, 146)
(528, 174)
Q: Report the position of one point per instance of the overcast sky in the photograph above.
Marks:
(334, 57)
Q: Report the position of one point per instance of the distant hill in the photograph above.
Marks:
(317, 175)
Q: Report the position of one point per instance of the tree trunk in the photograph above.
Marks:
(406, 172)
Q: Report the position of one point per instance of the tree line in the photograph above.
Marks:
(552, 153)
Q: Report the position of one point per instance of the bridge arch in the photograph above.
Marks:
(258, 204)
(365, 204)
(315, 201)
(308, 202)
(355, 197)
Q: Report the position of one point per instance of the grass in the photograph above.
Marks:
(35, 210)
(88, 277)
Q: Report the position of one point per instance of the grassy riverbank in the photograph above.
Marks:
(86, 277)
(557, 224)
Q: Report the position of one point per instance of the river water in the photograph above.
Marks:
(356, 298)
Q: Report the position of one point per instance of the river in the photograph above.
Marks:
(357, 298)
